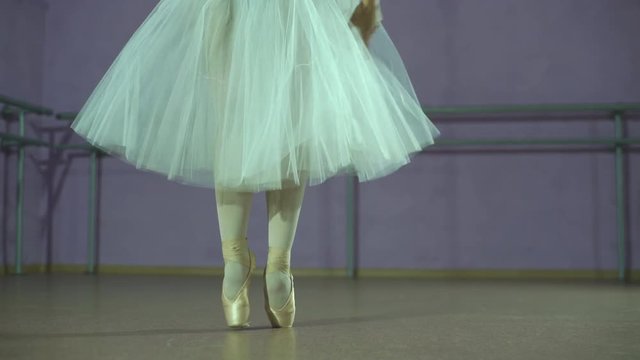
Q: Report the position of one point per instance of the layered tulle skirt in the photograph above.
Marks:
(256, 95)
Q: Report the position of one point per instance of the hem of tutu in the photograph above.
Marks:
(207, 179)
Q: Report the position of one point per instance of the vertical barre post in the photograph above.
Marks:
(352, 254)
(91, 236)
(620, 200)
(20, 198)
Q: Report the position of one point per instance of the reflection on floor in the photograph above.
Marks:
(151, 317)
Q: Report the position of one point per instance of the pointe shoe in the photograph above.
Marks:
(285, 315)
(237, 310)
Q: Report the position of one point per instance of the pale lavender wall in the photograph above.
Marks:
(22, 48)
(508, 210)
(445, 210)
(22, 25)
(519, 51)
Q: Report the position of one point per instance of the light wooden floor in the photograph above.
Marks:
(151, 317)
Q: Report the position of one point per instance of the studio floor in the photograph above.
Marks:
(152, 317)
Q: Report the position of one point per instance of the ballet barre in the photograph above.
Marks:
(618, 143)
(11, 109)
(94, 152)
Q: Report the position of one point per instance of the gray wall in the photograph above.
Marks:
(22, 24)
(449, 210)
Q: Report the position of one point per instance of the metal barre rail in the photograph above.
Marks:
(618, 143)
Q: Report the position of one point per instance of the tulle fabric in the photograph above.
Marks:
(256, 95)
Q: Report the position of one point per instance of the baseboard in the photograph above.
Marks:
(494, 274)
(497, 274)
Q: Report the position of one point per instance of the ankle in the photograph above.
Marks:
(279, 286)
(277, 282)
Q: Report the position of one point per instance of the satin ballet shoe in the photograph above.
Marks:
(237, 310)
(285, 315)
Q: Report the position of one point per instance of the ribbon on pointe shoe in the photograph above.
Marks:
(237, 251)
(278, 260)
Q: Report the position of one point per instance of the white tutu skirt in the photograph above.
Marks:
(256, 95)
